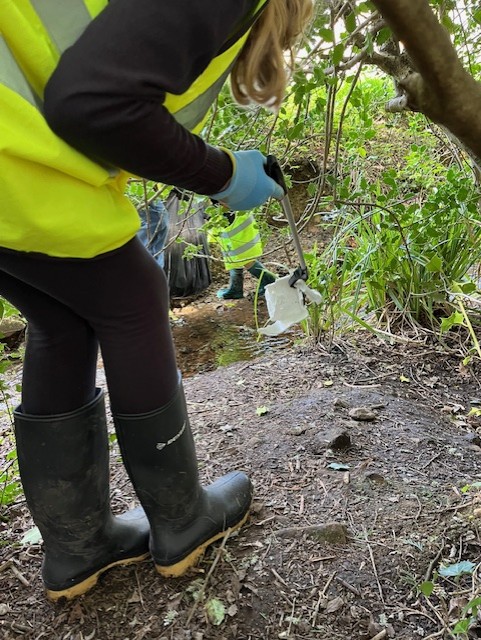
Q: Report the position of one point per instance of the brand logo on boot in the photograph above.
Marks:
(162, 445)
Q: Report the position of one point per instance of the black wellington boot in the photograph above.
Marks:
(185, 518)
(64, 467)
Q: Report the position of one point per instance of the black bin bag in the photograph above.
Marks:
(186, 276)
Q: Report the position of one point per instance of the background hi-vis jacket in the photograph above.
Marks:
(240, 242)
(53, 199)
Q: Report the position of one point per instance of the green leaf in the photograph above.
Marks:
(215, 611)
(434, 265)
(426, 588)
(326, 34)
(261, 411)
(458, 569)
(383, 35)
(448, 23)
(350, 21)
(468, 287)
(472, 606)
(456, 318)
(461, 627)
(473, 485)
(337, 54)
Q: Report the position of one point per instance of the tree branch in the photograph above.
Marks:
(441, 88)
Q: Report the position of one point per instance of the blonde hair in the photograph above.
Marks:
(261, 72)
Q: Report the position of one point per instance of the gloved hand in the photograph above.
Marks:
(250, 186)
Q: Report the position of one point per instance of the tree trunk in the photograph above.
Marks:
(440, 88)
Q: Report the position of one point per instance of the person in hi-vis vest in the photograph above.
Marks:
(92, 92)
(241, 247)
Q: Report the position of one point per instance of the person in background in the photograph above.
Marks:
(241, 246)
(92, 92)
(154, 227)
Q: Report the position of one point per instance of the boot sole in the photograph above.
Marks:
(179, 568)
(90, 582)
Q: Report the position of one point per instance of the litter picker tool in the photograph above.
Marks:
(274, 171)
(286, 297)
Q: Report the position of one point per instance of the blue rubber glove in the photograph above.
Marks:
(250, 186)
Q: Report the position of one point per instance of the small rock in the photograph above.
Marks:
(297, 431)
(375, 478)
(4, 609)
(335, 439)
(332, 533)
(363, 414)
(340, 441)
(473, 439)
(340, 403)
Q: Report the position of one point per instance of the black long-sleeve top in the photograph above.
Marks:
(105, 97)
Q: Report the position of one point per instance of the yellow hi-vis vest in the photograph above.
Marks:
(53, 199)
(240, 242)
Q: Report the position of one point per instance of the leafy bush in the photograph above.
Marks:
(10, 486)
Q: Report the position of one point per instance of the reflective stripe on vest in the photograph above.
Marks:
(240, 242)
(53, 199)
(191, 108)
(12, 76)
(64, 21)
(193, 115)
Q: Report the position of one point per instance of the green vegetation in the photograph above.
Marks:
(10, 486)
(392, 198)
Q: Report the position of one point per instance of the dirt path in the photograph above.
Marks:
(389, 483)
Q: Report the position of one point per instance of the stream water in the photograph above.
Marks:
(209, 335)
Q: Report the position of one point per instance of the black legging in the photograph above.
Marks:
(118, 301)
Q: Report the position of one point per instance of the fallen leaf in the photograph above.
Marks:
(334, 605)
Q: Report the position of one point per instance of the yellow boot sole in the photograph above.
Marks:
(179, 568)
(90, 582)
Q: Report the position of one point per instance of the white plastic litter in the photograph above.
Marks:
(285, 304)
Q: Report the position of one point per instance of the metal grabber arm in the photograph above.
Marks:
(274, 171)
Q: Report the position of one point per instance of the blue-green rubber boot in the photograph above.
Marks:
(264, 276)
(235, 290)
